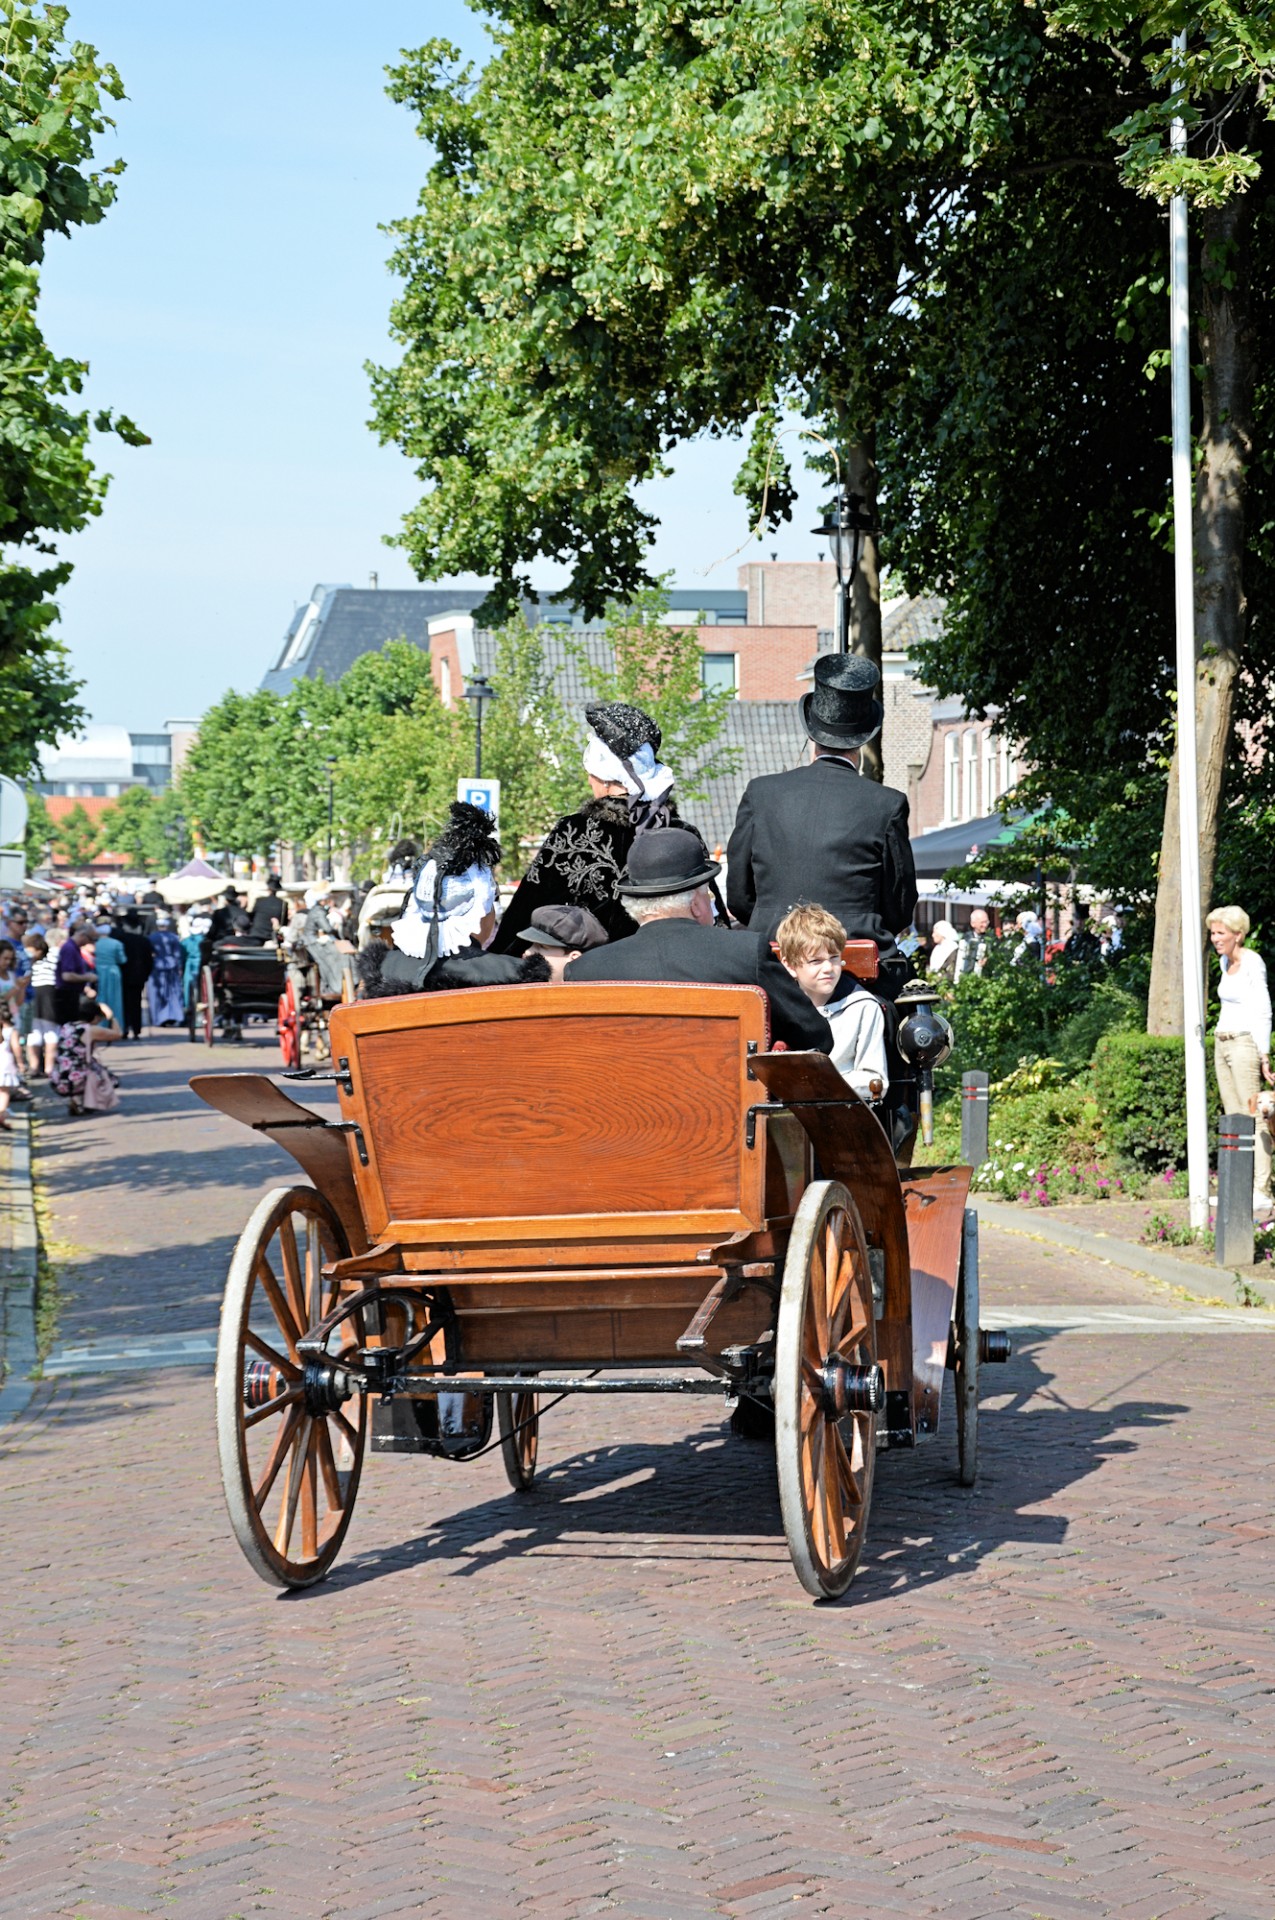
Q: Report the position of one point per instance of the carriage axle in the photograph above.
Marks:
(327, 1386)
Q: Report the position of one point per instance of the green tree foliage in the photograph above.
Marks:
(228, 781)
(129, 827)
(397, 748)
(530, 744)
(77, 838)
(659, 668)
(645, 223)
(149, 828)
(1028, 467)
(52, 109)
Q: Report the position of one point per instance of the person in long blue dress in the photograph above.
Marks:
(192, 946)
(108, 964)
(168, 1001)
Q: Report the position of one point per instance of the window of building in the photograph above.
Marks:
(951, 776)
(718, 672)
(445, 680)
(733, 618)
(969, 774)
(300, 641)
(991, 772)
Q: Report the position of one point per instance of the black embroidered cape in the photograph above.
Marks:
(579, 865)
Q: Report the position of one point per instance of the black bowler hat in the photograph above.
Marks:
(845, 707)
(667, 860)
(572, 928)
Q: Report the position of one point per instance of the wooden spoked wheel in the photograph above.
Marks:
(290, 1471)
(965, 1364)
(518, 1417)
(827, 1390)
(289, 1026)
(208, 1004)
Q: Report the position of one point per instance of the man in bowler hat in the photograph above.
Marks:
(665, 888)
(822, 835)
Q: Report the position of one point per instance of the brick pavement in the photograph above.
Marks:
(1050, 1696)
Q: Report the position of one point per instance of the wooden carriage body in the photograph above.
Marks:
(604, 1182)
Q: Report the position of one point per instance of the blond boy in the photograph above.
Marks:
(810, 940)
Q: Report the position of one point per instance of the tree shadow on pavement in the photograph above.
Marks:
(924, 1527)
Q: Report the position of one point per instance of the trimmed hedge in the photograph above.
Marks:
(1139, 1083)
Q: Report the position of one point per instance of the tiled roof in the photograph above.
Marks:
(767, 735)
(561, 661)
(904, 622)
(769, 738)
(356, 620)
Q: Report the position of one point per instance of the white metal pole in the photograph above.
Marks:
(1197, 1125)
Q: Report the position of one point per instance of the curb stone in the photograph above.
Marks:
(1203, 1283)
(19, 1265)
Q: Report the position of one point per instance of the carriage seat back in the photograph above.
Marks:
(592, 1110)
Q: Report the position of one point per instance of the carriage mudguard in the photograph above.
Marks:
(319, 1149)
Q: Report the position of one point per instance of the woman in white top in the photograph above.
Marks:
(946, 949)
(1242, 1048)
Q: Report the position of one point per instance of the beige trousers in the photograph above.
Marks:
(1239, 1078)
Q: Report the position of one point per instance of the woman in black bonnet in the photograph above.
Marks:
(583, 856)
(441, 938)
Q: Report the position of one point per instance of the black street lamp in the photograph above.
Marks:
(330, 768)
(844, 526)
(480, 691)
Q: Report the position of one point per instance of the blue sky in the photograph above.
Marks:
(228, 303)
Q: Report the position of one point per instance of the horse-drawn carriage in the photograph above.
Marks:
(240, 983)
(535, 1191)
(236, 984)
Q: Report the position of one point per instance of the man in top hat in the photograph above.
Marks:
(819, 833)
(665, 888)
(230, 918)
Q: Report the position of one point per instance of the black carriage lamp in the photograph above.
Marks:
(844, 526)
(479, 691)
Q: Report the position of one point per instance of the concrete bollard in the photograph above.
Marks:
(1233, 1232)
(974, 1119)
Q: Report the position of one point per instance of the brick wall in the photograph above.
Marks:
(796, 593)
(769, 660)
(445, 667)
(905, 736)
(930, 809)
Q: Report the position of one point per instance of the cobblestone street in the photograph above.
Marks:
(1052, 1696)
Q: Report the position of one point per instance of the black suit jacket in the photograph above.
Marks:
(824, 835)
(683, 950)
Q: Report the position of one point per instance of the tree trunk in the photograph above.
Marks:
(865, 598)
(1221, 608)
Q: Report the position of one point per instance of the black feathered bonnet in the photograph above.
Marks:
(622, 728)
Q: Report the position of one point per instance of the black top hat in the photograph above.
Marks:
(845, 708)
(622, 728)
(573, 928)
(667, 860)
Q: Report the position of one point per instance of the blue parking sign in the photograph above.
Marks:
(481, 793)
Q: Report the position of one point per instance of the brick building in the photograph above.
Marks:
(758, 641)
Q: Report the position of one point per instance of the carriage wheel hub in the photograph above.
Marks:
(326, 1387)
(848, 1389)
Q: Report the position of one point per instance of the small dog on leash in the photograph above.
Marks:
(1262, 1106)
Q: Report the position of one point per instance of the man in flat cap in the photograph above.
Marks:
(665, 888)
(562, 934)
(821, 835)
